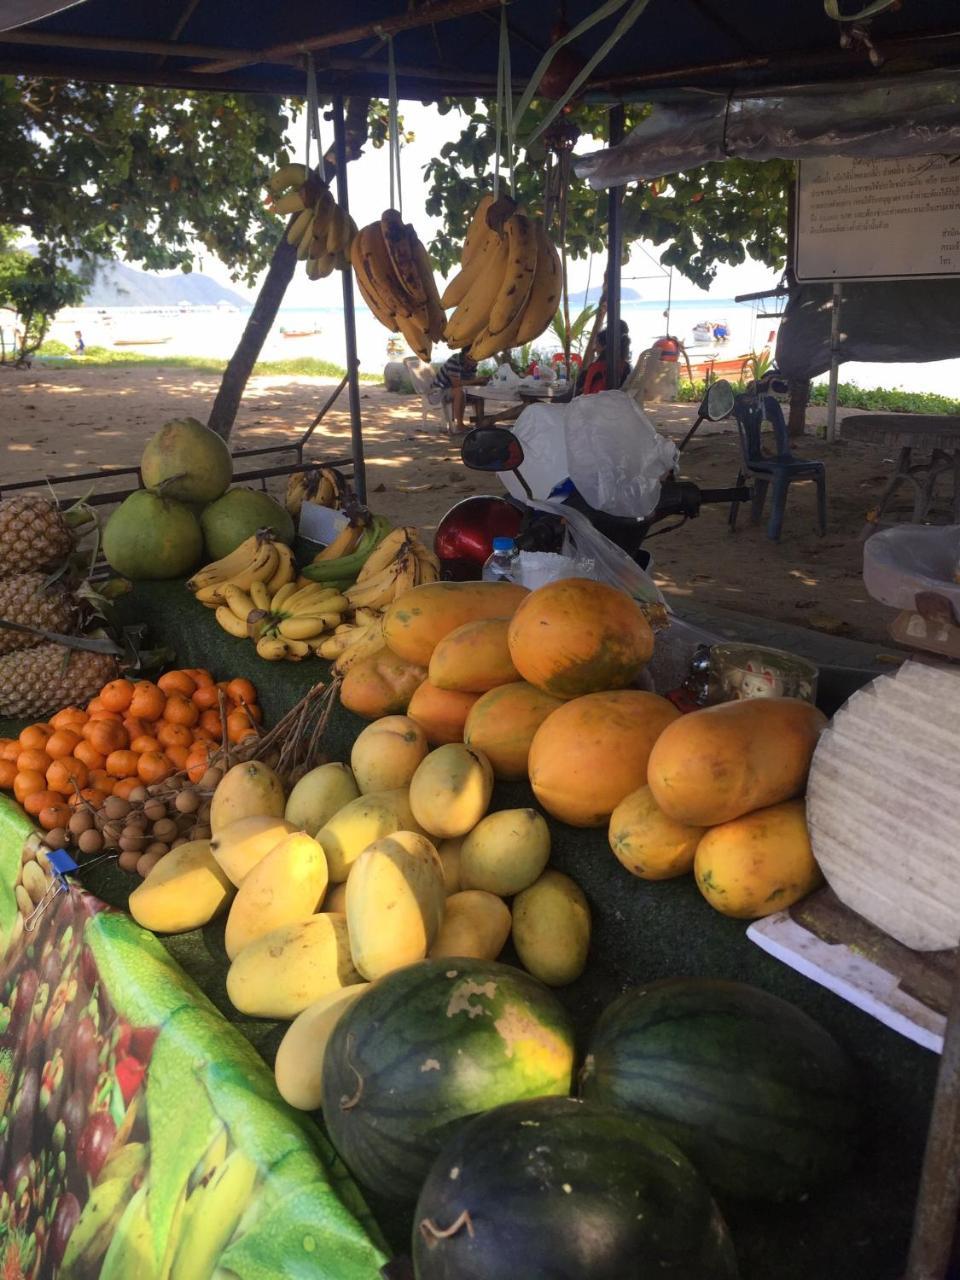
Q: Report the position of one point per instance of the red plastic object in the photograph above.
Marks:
(464, 537)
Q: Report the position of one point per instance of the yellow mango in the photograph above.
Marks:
(505, 852)
(336, 899)
(416, 622)
(551, 929)
(475, 923)
(473, 658)
(248, 790)
(386, 754)
(395, 900)
(758, 864)
(648, 843)
(318, 795)
(184, 891)
(239, 847)
(358, 824)
(451, 790)
(286, 970)
(286, 885)
(449, 851)
(299, 1062)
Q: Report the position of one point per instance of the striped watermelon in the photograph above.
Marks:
(569, 1190)
(427, 1046)
(759, 1096)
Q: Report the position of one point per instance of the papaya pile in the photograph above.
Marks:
(542, 684)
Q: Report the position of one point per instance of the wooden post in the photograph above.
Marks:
(614, 264)
(240, 366)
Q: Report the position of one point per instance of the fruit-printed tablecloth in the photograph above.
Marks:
(141, 1135)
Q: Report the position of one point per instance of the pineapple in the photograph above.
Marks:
(33, 535)
(37, 682)
(25, 598)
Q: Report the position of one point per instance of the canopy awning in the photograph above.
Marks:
(449, 47)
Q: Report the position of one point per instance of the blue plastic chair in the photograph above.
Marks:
(778, 470)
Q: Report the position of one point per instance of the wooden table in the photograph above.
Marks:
(491, 405)
(937, 435)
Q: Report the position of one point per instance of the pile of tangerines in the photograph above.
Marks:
(133, 734)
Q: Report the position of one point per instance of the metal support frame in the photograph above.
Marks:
(614, 264)
(834, 361)
(349, 310)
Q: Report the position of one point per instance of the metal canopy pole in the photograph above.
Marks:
(349, 312)
(614, 263)
(834, 361)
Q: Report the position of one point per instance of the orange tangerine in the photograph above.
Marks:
(38, 800)
(145, 742)
(8, 771)
(12, 751)
(177, 682)
(33, 759)
(69, 718)
(92, 795)
(90, 756)
(122, 764)
(174, 735)
(62, 743)
(177, 756)
(106, 736)
(34, 736)
(117, 695)
(211, 723)
(239, 727)
(67, 774)
(148, 700)
(153, 766)
(242, 690)
(100, 780)
(124, 786)
(28, 783)
(54, 815)
(181, 710)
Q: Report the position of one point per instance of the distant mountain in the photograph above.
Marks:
(117, 285)
(593, 295)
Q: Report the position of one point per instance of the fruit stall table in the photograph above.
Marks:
(855, 1230)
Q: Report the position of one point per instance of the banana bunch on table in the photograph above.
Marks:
(288, 624)
(400, 562)
(258, 559)
(340, 563)
(509, 284)
(395, 276)
(321, 230)
(324, 486)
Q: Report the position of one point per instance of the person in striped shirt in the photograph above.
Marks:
(457, 372)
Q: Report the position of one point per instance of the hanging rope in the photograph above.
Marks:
(604, 11)
(396, 190)
(504, 111)
(832, 8)
(313, 118)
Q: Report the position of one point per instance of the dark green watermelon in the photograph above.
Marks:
(427, 1046)
(557, 1189)
(759, 1096)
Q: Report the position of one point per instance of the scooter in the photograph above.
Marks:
(464, 537)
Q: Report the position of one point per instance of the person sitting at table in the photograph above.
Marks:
(456, 372)
(594, 377)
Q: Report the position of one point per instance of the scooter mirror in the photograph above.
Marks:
(491, 449)
(718, 402)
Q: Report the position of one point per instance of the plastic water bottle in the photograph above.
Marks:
(503, 565)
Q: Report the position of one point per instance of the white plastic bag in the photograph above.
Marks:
(505, 376)
(540, 430)
(615, 454)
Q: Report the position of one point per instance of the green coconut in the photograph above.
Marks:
(240, 513)
(149, 536)
(188, 461)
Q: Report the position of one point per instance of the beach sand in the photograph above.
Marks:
(62, 422)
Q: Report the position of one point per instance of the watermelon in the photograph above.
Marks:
(427, 1046)
(569, 1190)
(759, 1096)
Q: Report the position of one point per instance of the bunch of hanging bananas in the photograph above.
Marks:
(339, 563)
(509, 284)
(395, 276)
(321, 230)
(258, 559)
(288, 624)
(325, 486)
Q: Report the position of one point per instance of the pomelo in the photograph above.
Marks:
(190, 462)
(237, 515)
(149, 536)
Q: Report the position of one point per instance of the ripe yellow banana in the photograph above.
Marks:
(378, 271)
(300, 224)
(428, 572)
(260, 596)
(477, 230)
(286, 569)
(278, 599)
(385, 552)
(424, 552)
(240, 603)
(272, 648)
(518, 276)
(334, 645)
(544, 297)
(436, 320)
(231, 623)
(320, 268)
(488, 343)
(373, 300)
(223, 570)
(292, 202)
(341, 231)
(398, 238)
(342, 545)
(288, 175)
(369, 642)
(312, 594)
(363, 617)
(261, 569)
(305, 626)
(416, 335)
(473, 313)
(378, 591)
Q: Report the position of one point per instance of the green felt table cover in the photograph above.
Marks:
(855, 1230)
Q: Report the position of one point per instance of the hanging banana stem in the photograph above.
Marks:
(396, 191)
(563, 169)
